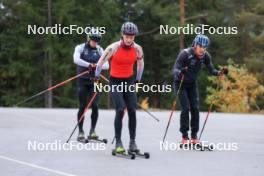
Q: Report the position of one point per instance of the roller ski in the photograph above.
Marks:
(81, 138)
(195, 144)
(93, 137)
(120, 151)
(134, 150)
(200, 146)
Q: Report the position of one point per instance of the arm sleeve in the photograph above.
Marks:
(210, 65)
(105, 66)
(140, 63)
(77, 57)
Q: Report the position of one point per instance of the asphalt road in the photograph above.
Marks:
(21, 128)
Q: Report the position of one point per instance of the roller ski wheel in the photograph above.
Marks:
(184, 145)
(197, 146)
(94, 137)
(98, 140)
(123, 154)
(81, 138)
(205, 147)
(146, 155)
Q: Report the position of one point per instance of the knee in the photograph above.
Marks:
(120, 111)
(81, 109)
(195, 104)
(131, 109)
(185, 109)
(195, 108)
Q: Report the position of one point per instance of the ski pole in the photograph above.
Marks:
(52, 87)
(208, 112)
(173, 109)
(206, 118)
(148, 112)
(104, 78)
(82, 116)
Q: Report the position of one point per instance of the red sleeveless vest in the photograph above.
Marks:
(122, 62)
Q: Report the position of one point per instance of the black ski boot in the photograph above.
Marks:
(133, 149)
(92, 135)
(81, 137)
(119, 146)
(133, 146)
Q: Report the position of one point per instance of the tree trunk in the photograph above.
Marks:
(48, 60)
(182, 19)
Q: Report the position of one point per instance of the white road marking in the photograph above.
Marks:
(36, 166)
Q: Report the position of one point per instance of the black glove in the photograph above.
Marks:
(92, 67)
(223, 71)
(184, 70)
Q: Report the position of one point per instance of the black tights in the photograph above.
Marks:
(85, 92)
(124, 100)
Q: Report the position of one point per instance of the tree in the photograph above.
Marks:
(237, 92)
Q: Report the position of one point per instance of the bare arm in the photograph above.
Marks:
(107, 54)
(105, 66)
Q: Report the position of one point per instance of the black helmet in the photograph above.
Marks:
(129, 28)
(94, 35)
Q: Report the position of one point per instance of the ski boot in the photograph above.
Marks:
(121, 152)
(81, 137)
(185, 141)
(133, 149)
(197, 145)
(92, 135)
(133, 146)
(194, 141)
(95, 138)
(119, 147)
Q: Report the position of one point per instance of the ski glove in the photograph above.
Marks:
(184, 70)
(92, 67)
(224, 71)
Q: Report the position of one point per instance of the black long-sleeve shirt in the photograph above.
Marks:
(187, 58)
